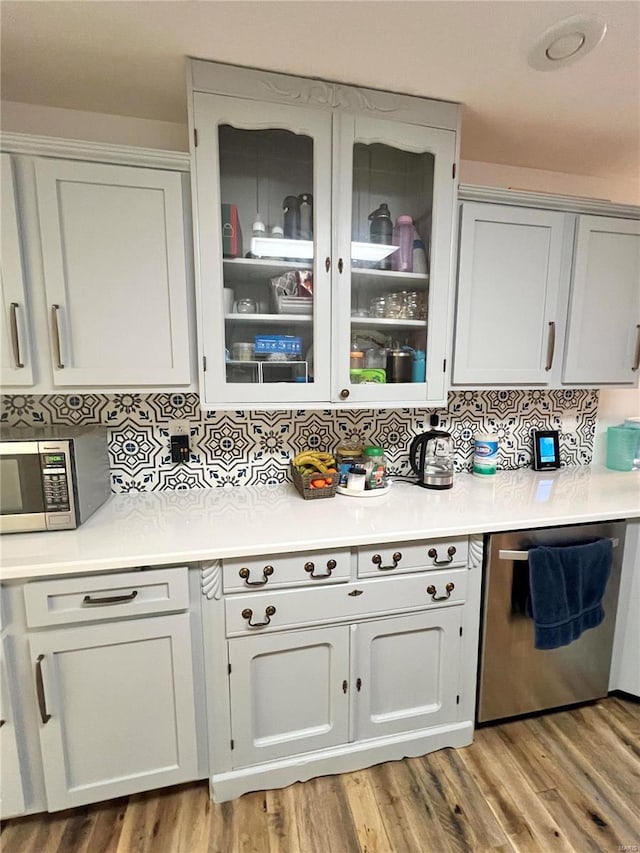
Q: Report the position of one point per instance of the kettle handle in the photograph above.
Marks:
(418, 442)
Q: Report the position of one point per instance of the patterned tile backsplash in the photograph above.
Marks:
(246, 448)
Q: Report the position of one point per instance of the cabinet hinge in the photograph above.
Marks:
(444, 365)
(232, 744)
(453, 170)
(229, 666)
(195, 136)
(457, 703)
(460, 635)
(204, 363)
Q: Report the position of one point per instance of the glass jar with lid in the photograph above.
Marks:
(375, 464)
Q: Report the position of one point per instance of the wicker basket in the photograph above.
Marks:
(302, 482)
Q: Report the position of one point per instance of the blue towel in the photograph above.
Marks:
(566, 586)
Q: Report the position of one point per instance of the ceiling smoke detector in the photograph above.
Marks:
(566, 42)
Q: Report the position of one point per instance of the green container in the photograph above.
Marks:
(622, 446)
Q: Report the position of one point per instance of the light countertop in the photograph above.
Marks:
(156, 528)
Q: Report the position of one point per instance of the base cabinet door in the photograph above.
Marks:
(289, 693)
(116, 705)
(11, 790)
(406, 672)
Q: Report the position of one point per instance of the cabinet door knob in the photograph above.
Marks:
(327, 263)
(433, 553)
(309, 567)
(340, 265)
(431, 590)
(266, 574)
(377, 561)
(344, 393)
(247, 614)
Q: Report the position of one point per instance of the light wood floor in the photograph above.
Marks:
(563, 781)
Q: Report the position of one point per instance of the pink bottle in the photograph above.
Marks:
(403, 237)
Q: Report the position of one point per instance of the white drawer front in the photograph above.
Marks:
(96, 598)
(400, 557)
(268, 611)
(278, 570)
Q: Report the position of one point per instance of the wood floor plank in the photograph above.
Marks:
(539, 831)
(282, 827)
(394, 788)
(562, 781)
(367, 820)
(598, 802)
(467, 800)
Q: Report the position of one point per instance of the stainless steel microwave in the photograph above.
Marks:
(51, 478)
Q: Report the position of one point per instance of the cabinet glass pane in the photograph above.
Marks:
(391, 232)
(266, 179)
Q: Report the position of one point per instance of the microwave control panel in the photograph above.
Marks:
(55, 483)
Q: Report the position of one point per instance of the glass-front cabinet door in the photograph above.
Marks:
(393, 205)
(264, 233)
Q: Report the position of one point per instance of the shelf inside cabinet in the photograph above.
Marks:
(258, 270)
(269, 318)
(390, 278)
(388, 321)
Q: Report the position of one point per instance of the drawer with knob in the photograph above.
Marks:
(286, 608)
(402, 557)
(312, 568)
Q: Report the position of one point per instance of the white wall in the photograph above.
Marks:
(123, 130)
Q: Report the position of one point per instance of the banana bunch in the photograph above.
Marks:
(315, 461)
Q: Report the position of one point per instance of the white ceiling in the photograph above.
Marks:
(127, 58)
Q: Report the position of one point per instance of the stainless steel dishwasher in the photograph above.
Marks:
(515, 677)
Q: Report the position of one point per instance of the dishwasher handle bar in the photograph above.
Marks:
(524, 555)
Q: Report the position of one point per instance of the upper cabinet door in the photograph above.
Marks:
(394, 193)
(15, 350)
(115, 267)
(509, 318)
(603, 343)
(263, 199)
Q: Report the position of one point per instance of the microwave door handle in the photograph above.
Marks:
(524, 555)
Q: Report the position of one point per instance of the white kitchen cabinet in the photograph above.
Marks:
(295, 692)
(11, 784)
(96, 268)
(509, 317)
(603, 338)
(262, 138)
(15, 349)
(115, 273)
(548, 293)
(288, 693)
(111, 698)
(340, 676)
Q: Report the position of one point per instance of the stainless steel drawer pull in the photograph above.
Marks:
(15, 339)
(109, 599)
(55, 312)
(636, 359)
(377, 561)
(551, 346)
(42, 702)
(266, 574)
(523, 556)
(310, 567)
(433, 553)
(431, 590)
(247, 614)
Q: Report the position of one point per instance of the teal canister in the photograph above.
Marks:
(622, 446)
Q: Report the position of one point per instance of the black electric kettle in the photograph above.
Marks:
(431, 457)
